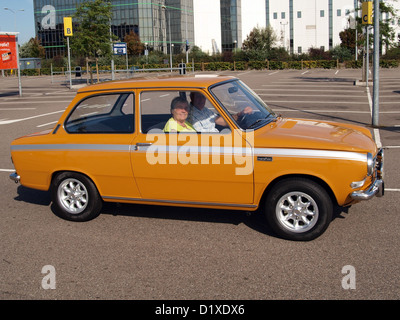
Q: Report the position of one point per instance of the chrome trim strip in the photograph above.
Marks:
(183, 202)
(266, 152)
(72, 147)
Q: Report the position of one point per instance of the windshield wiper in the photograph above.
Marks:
(263, 119)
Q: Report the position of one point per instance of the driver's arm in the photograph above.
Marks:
(220, 121)
(247, 110)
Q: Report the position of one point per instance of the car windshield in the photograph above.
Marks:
(243, 104)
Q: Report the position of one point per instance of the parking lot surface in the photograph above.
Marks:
(145, 252)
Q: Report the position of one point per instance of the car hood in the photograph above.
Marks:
(314, 134)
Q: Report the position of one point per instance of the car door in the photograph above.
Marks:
(213, 168)
(100, 130)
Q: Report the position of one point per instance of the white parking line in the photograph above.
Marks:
(376, 131)
(308, 90)
(16, 109)
(27, 101)
(319, 102)
(294, 85)
(243, 73)
(46, 124)
(7, 170)
(306, 95)
(33, 117)
(377, 138)
(321, 111)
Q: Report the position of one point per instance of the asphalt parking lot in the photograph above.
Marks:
(144, 252)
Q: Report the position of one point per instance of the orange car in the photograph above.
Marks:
(223, 148)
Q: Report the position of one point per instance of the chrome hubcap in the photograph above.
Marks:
(297, 212)
(73, 196)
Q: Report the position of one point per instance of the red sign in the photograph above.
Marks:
(8, 52)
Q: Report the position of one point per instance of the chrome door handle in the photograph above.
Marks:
(142, 145)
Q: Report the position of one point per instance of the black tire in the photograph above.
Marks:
(298, 209)
(75, 197)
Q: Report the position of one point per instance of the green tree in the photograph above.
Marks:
(198, 55)
(387, 32)
(259, 43)
(92, 29)
(32, 49)
(348, 39)
(341, 53)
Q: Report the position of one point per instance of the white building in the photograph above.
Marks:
(207, 19)
(299, 24)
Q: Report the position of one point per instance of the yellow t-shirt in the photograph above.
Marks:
(173, 126)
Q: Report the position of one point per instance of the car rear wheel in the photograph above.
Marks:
(75, 197)
(298, 209)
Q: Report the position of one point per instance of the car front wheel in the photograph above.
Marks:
(298, 209)
(75, 197)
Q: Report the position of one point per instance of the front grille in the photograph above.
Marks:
(378, 160)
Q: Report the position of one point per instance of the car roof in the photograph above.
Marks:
(158, 82)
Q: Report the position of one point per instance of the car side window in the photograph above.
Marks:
(156, 110)
(107, 113)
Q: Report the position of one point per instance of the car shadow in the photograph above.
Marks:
(253, 220)
(9, 94)
(326, 79)
(33, 196)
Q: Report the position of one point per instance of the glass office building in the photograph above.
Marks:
(231, 24)
(158, 23)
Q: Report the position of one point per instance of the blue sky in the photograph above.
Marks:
(24, 19)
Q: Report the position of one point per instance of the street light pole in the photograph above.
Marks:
(112, 54)
(169, 34)
(15, 17)
(375, 113)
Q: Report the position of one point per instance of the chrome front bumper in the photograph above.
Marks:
(15, 177)
(376, 189)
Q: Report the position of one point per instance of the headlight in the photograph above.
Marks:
(370, 164)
